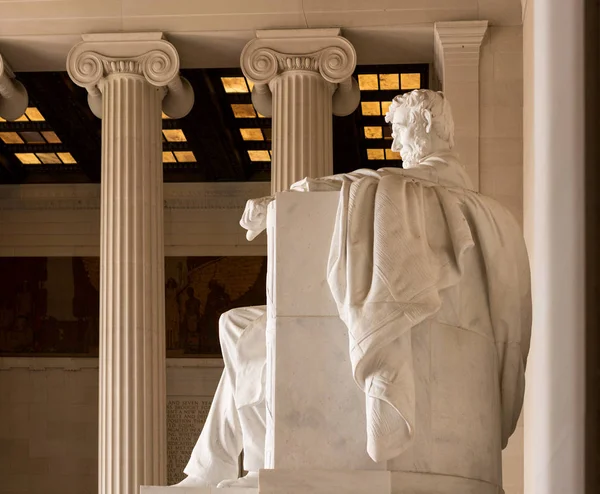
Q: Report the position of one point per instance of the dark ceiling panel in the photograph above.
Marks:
(209, 144)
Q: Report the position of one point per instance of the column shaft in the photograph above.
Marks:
(132, 433)
(302, 128)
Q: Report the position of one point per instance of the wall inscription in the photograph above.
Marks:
(185, 418)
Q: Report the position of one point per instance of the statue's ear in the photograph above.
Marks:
(428, 120)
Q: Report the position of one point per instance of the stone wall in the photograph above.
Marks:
(501, 117)
(49, 421)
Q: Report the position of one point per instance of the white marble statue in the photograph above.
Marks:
(432, 281)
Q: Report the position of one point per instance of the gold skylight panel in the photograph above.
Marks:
(392, 155)
(252, 135)
(49, 158)
(67, 158)
(370, 108)
(373, 132)
(51, 137)
(389, 81)
(410, 81)
(11, 138)
(34, 114)
(174, 135)
(368, 82)
(165, 116)
(185, 156)
(243, 110)
(259, 155)
(375, 154)
(385, 106)
(22, 118)
(168, 157)
(28, 158)
(234, 84)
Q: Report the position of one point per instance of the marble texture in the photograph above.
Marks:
(431, 282)
(324, 482)
(298, 240)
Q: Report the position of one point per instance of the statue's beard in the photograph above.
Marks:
(413, 152)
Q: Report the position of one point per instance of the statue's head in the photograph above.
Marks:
(421, 125)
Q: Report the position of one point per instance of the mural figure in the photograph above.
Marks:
(172, 314)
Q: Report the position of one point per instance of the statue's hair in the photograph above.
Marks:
(424, 99)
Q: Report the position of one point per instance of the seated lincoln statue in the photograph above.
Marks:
(431, 279)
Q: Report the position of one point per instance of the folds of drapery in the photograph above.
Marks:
(399, 241)
(398, 244)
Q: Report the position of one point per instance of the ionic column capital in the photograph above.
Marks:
(146, 55)
(321, 51)
(318, 50)
(13, 95)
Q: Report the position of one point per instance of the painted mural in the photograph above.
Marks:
(50, 306)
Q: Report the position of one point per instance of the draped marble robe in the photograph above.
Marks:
(416, 250)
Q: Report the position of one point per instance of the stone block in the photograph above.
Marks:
(508, 66)
(324, 482)
(507, 38)
(304, 224)
(419, 483)
(318, 412)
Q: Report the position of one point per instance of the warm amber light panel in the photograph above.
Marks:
(185, 156)
(370, 108)
(410, 81)
(28, 158)
(34, 114)
(243, 111)
(168, 157)
(234, 84)
(373, 132)
(389, 81)
(259, 155)
(375, 154)
(368, 82)
(392, 155)
(252, 135)
(385, 106)
(67, 158)
(11, 138)
(174, 135)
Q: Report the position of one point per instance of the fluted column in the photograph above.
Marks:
(126, 79)
(300, 78)
(13, 95)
